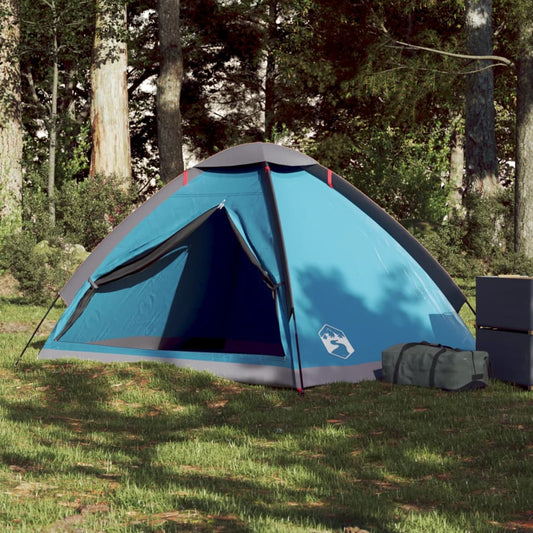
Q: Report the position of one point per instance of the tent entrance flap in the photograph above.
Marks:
(207, 294)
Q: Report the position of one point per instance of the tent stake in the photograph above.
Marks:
(36, 330)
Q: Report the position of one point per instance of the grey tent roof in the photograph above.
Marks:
(252, 153)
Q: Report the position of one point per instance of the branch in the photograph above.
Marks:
(438, 71)
(145, 75)
(500, 61)
(33, 92)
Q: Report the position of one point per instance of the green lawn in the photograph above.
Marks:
(149, 447)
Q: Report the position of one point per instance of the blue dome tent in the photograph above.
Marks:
(261, 266)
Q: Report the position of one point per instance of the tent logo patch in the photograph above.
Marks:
(335, 341)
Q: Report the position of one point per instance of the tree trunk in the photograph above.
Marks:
(270, 74)
(457, 169)
(111, 154)
(524, 143)
(169, 83)
(52, 130)
(480, 139)
(10, 118)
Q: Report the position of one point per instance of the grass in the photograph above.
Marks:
(149, 447)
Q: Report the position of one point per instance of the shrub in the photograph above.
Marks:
(20, 257)
(480, 244)
(42, 256)
(406, 174)
(88, 210)
(446, 244)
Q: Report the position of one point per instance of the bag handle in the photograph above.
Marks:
(434, 366)
(399, 360)
(476, 376)
(425, 343)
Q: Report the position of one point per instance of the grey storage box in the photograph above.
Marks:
(511, 355)
(505, 302)
(504, 309)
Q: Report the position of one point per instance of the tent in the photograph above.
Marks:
(262, 266)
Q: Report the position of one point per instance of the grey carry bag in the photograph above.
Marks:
(434, 365)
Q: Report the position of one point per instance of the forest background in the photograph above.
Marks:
(424, 105)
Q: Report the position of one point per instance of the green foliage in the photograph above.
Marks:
(35, 214)
(9, 225)
(405, 173)
(36, 268)
(490, 223)
(75, 26)
(86, 211)
(480, 244)
(72, 159)
(446, 244)
(42, 257)
(40, 267)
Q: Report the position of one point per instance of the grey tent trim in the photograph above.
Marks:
(264, 153)
(254, 153)
(246, 373)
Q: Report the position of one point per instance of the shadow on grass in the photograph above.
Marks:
(37, 345)
(242, 454)
(14, 300)
(108, 411)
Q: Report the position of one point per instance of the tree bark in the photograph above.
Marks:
(270, 74)
(169, 83)
(10, 117)
(111, 154)
(457, 168)
(52, 129)
(480, 139)
(524, 143)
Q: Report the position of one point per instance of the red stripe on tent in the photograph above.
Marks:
(185, 177)
(330, 180)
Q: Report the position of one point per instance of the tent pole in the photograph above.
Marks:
(36, 330)
(300, 390)
(285, 266)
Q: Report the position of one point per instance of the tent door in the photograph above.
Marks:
(201, 290)
(223, 302)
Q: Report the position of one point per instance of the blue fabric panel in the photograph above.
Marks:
(136, 305)
(239, 190)
(356, 290)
